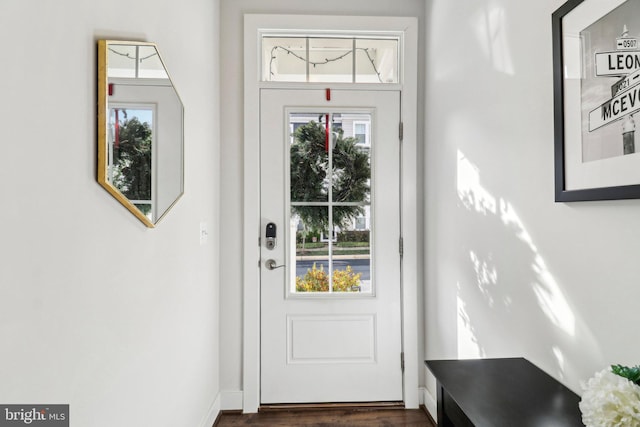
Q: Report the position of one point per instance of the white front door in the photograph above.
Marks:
(330, 256)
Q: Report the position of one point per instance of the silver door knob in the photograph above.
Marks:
(271, 264)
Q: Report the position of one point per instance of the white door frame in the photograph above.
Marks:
(408, 29)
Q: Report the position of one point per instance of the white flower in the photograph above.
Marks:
(610, 400)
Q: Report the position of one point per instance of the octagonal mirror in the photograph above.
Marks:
(140, 129)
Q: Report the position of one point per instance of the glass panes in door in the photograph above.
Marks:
(330, 203)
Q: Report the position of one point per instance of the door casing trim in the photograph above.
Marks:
(408, 26)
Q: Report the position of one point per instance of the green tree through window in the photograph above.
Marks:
(132, 161)
(310, 176)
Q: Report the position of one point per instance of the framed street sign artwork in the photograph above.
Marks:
(596, 75)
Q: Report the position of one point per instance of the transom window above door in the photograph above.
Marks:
(339, 59)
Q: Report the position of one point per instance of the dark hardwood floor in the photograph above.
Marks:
(353, 417)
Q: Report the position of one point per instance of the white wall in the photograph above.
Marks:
(232, 12)
(96, 310)
(509, 272)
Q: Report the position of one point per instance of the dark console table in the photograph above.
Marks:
(501, 393)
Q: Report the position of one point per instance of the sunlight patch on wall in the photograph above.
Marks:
(492, 34)
(553, 303)
(470, 192)
(487, 277)
(550, 298)
(475, 197)
(557, 353)
(468, 347)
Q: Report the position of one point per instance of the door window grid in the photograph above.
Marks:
(340, 275)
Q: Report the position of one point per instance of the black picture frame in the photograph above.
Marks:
(629, 190)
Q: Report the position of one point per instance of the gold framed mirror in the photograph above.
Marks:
(140, 129)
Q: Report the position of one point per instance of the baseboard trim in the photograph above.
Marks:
(430, 403)
(212, 414)
(231, 400)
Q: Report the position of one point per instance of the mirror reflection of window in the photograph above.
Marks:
(140, 132)
(130, 154)
(134, 61)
